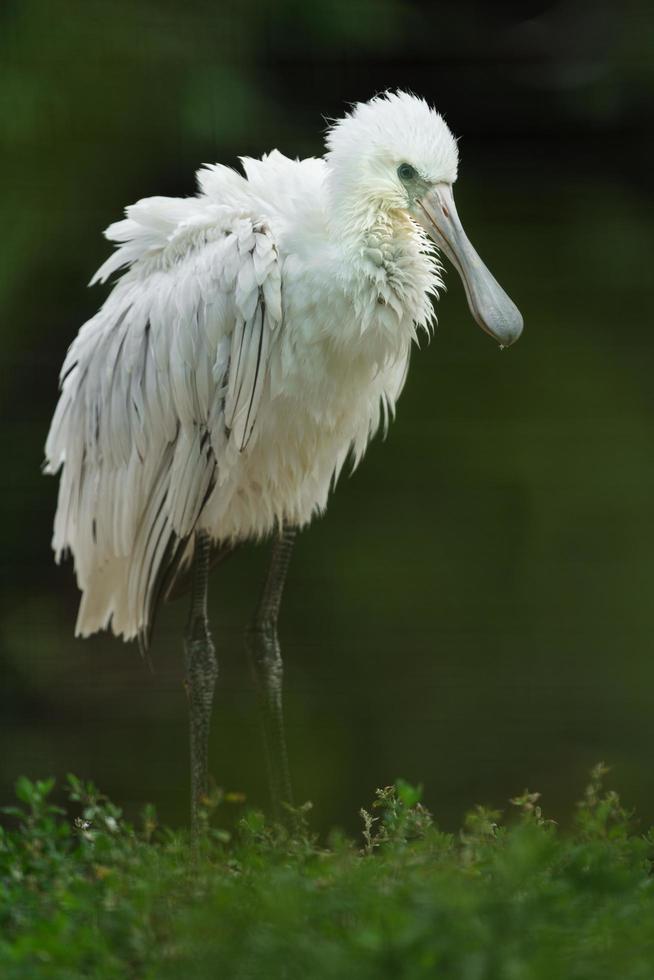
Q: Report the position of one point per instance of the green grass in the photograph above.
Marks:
(95, 897)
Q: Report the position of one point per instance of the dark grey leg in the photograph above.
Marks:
(201, 674)
(266, 661)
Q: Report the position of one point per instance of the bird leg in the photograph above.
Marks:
(266, 664)
(201, 674)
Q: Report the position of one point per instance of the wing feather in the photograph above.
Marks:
(173, 365)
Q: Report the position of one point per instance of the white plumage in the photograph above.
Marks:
(259, 334)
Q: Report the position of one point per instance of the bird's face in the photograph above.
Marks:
(396, 153)
(431, 204)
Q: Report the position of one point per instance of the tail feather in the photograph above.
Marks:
(123, 590)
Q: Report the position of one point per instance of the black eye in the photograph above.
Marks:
(406, 172)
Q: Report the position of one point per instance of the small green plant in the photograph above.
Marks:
(83, 893)
(402, 818)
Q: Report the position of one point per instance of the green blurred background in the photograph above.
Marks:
(475, 611)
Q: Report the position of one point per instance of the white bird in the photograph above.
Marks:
(258, 337)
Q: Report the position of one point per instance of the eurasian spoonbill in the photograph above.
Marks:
(258, 336)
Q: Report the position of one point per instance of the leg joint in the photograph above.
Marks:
(262, 630)
(263, 646)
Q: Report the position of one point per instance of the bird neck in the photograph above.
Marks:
(357, 225)
(387, 268)
(384, 260)
(374, 242)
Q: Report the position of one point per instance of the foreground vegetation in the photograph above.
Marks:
(96, 897)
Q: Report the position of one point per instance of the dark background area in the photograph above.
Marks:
(475, 611)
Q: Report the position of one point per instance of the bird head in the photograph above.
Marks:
(396, 155)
